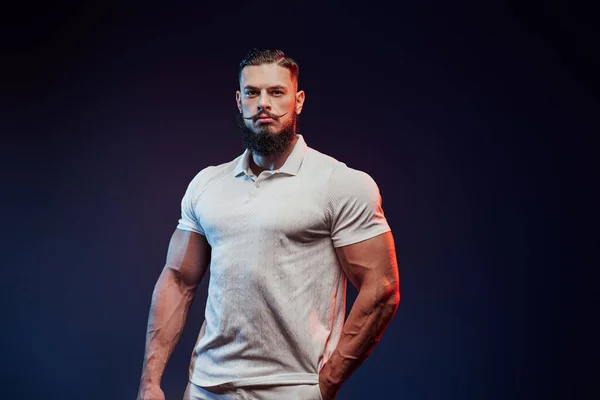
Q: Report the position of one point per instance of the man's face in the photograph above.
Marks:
(268, 102)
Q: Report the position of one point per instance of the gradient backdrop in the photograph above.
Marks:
(475, 121)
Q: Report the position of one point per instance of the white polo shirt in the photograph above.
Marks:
(277, 292)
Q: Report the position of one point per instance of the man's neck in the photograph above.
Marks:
(259, 163)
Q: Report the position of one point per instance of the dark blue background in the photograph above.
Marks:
(476, 121)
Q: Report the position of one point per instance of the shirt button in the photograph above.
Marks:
(257, 185)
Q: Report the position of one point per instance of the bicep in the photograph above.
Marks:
(371, 261)
(188, 256)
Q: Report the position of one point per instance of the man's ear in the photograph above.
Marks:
(300, 96)
(238, 100)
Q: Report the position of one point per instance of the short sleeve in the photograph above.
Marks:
(189, 220)
(354, 207)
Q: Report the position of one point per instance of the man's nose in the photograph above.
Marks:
(264, 102)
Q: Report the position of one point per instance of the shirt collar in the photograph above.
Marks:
(290, 167)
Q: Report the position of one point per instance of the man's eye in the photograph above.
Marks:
(277, 92)
(250, 92)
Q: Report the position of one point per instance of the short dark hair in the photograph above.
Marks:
(269, 56)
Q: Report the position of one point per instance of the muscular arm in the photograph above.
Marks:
(187, 260)
(372, 268)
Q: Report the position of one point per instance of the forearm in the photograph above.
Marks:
(373, 309)
(171, 301)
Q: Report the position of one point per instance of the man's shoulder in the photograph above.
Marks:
(322, 161)
(338, 171)
(213, 172)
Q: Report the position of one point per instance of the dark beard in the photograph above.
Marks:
(264, 143)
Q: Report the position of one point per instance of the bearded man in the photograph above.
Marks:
(282, 227)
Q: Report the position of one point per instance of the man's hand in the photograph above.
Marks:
(151, 393)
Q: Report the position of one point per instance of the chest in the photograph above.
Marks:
(279, 209)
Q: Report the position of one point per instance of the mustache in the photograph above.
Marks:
(261, 113)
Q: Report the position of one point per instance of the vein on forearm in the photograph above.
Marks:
(373, 309)
(171, 300)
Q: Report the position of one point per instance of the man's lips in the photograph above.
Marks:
(264, 118)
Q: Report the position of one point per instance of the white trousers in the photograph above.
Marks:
(263, 392)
